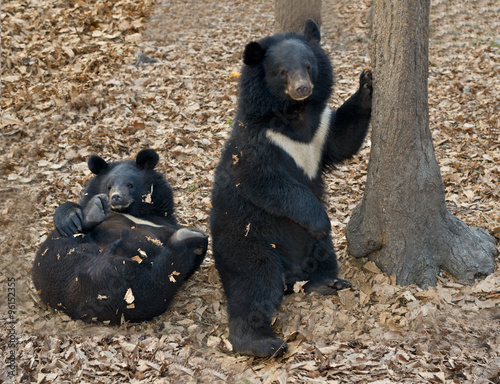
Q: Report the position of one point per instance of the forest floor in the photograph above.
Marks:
(78, 79)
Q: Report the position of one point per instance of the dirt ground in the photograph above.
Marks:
(111, 78)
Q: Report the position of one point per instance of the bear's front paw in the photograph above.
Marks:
(366, 79)
(96, 211)
(68, 219)
(366, 88)
(327, 288)
(265, 347)
(320, 225)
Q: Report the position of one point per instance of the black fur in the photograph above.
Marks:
(88, 264)
(268, 221)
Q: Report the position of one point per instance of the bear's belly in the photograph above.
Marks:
(246, 223)
(123, 237)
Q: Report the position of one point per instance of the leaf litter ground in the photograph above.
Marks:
(111, 78)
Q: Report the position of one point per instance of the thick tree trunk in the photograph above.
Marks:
(402, 223)
(291, 15)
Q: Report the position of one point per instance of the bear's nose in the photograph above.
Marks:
(116, 198)
(302, 89)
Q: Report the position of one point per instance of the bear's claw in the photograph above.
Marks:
(366, 88)
(366, 78)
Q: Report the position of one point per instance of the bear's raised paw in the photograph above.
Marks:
(366, 88)
(96, 211)
(366, 79)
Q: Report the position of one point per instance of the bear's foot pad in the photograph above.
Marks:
(187, 234)
(97, 210)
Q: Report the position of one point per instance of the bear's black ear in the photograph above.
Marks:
(147, 159)
(97, 164)
(311, 31)
(254, 53)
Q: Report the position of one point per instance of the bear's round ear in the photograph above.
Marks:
(147, 159)
(97, 164)
(254, 53)
(311, 31)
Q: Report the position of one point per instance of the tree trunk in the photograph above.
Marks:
(291, 15)
(402, 223)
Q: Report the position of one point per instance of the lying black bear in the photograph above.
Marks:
(268, 222)
(120, 251)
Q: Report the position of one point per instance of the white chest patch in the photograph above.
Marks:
(140, 221)
(307, 156)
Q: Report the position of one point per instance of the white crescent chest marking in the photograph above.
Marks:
(307, 156)
(140, 221)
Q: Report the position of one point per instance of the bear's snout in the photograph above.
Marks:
(118, 200)
(300, 89)
(303, 89)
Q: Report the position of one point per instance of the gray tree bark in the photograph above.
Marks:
(291, 15)
(402, 223)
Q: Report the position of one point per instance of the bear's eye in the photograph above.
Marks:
(283, 72)
(308, 67)
(130, 185)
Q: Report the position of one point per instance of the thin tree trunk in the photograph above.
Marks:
(402, 223)
(291, 15)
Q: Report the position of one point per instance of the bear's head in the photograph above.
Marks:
(289, 61)
(132, 186)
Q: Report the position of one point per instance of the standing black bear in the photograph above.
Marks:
(268, 222)
(120, 252)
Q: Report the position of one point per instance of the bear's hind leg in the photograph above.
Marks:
(189, 244)
(96, 211)
(250, 312)
(254, 290)
(197, 237)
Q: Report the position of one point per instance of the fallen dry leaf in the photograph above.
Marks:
(171, 276)
(148, 198)
(129, 296)
(137, 258)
